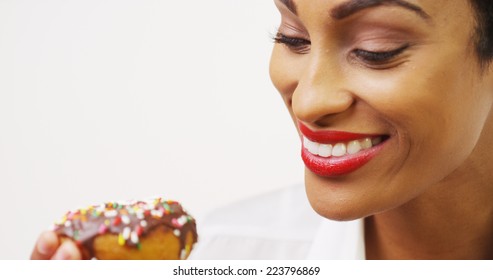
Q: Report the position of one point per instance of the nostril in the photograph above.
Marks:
(318, 103)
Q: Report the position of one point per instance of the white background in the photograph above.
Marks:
(117, 99)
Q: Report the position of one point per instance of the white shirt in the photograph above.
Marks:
(277, 225)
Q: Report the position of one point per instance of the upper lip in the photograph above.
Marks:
(331, 136)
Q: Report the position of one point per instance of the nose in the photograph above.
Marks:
(321, 93)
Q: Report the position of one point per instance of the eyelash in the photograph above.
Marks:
(297, 45)
(379, 57)
(302, 46)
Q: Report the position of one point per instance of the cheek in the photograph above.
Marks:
(435, 130)
(285, 71)
(436, 110)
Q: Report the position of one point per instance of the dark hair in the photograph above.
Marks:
(484, 30)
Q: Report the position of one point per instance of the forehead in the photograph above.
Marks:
(429, 6)
(442, 13)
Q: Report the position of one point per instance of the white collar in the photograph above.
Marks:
(338, 241)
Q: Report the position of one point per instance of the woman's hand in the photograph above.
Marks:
(49, 247)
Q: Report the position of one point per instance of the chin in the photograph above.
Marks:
(339, 212)
(342, 202)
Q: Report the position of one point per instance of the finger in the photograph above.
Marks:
(67, 251)
(45, 246)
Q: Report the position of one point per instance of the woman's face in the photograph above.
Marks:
(388, 93)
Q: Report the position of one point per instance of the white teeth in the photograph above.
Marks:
(305, 142)
(340, 149)
(366, 143)
(376, 141)
(353, 147)
(312, 147)
(325, 150)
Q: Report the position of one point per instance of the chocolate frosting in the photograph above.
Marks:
(131, 221)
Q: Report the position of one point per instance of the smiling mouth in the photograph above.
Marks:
(342, 148)
(336, 153)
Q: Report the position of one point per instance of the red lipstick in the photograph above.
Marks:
(331, 136)
(333, 165)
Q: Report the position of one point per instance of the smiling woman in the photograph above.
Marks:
(394, 107)
(392, 101)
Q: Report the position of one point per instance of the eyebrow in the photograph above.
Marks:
(351, 7)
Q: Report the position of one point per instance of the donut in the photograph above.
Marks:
(151, 230)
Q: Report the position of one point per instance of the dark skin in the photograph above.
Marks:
(49, 247)
(407, 70)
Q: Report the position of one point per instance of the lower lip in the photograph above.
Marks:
(338, 166)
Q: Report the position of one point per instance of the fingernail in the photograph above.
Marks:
(45, 244)
(63, 253)
(43, 248)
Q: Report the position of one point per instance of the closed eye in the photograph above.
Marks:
(372, 57)
(297, 45)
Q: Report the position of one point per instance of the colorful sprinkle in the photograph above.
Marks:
(140, 214)
(157, 213)
(125, 219)
(121, 240)
(126, 233)
(139, 230)
(110, 213)
(117, 221)
(129, 221)
(76, 234)
(102, 229)
(167, 208)
(182, 220)
(183, 254)
(134, 237)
